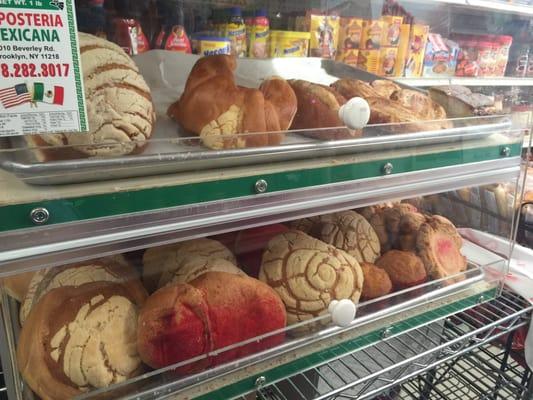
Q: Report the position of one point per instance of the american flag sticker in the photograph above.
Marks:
(15, 96)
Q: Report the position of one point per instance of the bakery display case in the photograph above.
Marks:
(273, 200)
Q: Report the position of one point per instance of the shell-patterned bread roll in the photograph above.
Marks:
(308, 274)
(161, 263)
(80, 338)
(351, 232)
(101, 270)
(194, 266)
(120, 111)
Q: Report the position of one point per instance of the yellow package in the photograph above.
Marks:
(368, 60)
(348, 56)
(350, 33)
(371, 35)
(391, 30)
(387, 61)
(417, 48)
(324, 31)
(403, 47)
(289, 44)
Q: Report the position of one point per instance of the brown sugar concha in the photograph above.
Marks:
(350, 231)
(308, 274)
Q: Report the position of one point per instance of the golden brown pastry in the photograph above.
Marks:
(439, 247)
(17, 285)
(216, 310)
(79, 338)
(120, 112)
(308, 274)
(101, 270)
(420, 103)
(350, 88)
(162, 264)
(350, 232)
(386, 111)
(318, 107)
(405, 269)
(223, 114)
(384, 87)
(376, 282)
(408, 228)
(377, 221)
(393, 216)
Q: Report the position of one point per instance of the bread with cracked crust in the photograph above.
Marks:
(120, 112)
(350, 231)
(79, 338)
(404, 268)
(184, 261)
(99, 270)
(308, 274)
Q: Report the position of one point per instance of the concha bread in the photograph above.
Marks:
(102, 270)
(194, 266)
(350, 232)
(79, 338)
(161, 264)
(120, 111)
(308, 274)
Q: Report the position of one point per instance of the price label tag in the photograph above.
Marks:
(41, 85)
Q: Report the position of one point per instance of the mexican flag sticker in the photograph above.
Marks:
(41, 85)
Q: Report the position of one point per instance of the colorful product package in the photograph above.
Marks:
(369, 60)
(372, 33)
(387, 61)
(403, 49)
(350, 33)
(417, 46)
(289, 44)
(324, 31)
(391, 30)
(348, 56)
(441, 56)
(210, 46)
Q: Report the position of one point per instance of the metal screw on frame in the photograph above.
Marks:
(260, 381)
(388, 168)
(261, 186)
(387, 332)
(506, 151)
(481, 299)
(39, 216)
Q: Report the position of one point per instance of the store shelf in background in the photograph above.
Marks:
(369, 371)
(503, 81)
(488, 5)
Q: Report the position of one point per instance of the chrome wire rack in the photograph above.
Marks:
(408, 356)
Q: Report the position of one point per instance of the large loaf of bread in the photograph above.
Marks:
(120, 112)
(216, 310)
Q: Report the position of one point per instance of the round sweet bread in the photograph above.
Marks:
(101, 270)
(194, 266)
(120, 111)
(351, 232)
(308, 274)
(161, 263)
(80, 338)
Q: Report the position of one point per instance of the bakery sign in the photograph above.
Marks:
(41, 88)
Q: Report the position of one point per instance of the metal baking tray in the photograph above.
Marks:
(179, 158)
(167, 153)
